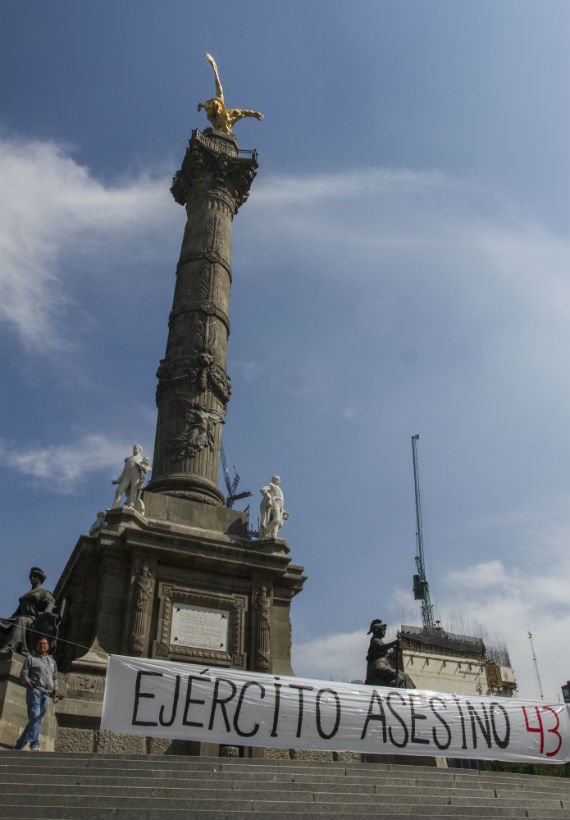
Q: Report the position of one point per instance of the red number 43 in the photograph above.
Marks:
(540, 727)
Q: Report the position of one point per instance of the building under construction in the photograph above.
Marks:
(443, 661)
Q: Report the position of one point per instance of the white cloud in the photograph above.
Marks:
(367, 226)
(248, 370)
(510, 599)
(53, 214)
(314, 377)
(483, 576)
(61, 468)
(340, 657)
(287, 190)
(378, 225)
(354, 413)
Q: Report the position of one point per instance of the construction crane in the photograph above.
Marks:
(421, 586)
(231, 485)
(541, 693)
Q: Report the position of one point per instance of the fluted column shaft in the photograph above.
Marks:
(194, 388)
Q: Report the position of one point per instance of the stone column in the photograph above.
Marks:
(194, 388)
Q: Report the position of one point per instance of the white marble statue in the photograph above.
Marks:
(131, 480)
(272, 513)
(98, 524)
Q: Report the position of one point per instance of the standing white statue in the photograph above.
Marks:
(272, 513)
(132, 479)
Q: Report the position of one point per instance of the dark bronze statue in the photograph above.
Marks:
(382, 663)
(34, 618)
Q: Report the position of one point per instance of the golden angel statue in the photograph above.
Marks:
(222, 118)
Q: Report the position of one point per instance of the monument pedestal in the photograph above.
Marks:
(184, 582)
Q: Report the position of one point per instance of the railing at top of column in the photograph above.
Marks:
(224, 146)
(245, 154)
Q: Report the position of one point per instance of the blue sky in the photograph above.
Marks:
(400, 268)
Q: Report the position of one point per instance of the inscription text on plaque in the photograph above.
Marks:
(199, 626)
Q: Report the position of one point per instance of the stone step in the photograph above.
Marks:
(279, 812)
(138, 777)
(400, 771)
(553, 787)
(275, 811)
(153, 809)
(228, 764)
(186, 788)
(101, 787)
(131, 797)
(22, 780)
(62, 813)
(169, 766)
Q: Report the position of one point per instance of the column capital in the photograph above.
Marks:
(214, 165)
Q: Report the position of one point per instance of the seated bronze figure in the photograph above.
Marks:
(35, 617)
(382, 667)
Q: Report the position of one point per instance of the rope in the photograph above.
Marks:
(54, 638)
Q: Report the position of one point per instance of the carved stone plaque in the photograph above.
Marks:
(199, 626)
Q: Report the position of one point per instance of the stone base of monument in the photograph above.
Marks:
(13, 712)
(184, 582)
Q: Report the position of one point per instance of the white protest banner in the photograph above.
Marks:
(234, 707)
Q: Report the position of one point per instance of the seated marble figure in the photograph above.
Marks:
(35, 617)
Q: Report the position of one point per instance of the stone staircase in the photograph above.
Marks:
(97, 787)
